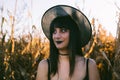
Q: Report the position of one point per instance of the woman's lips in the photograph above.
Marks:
(59, 42)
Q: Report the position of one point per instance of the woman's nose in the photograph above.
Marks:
(57, 35)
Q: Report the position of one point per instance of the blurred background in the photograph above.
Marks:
(23, 44)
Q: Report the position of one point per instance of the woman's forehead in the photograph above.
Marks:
(61, 27)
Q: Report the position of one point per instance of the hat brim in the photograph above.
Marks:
(63, 10)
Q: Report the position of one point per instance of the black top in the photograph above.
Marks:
(87, 71)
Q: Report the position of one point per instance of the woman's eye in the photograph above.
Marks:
(64, 30)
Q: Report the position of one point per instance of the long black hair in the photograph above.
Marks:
(74, 45)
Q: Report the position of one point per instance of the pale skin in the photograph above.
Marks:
(61, 34)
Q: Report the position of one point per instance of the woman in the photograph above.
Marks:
(68, 30)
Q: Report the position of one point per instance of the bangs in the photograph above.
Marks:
(63, 22)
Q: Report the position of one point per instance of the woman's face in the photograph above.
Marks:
(61, 38)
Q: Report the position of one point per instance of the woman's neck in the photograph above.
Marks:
(63, 52)
(63, 55)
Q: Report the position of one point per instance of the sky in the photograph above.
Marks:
(29, 12)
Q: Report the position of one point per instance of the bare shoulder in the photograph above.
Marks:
(93, 69)
(92, 62)
(43, 64)
(42, 70)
